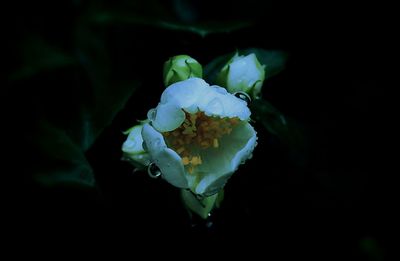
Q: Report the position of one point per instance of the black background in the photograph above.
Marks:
(329, 199)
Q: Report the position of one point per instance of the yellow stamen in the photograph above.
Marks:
(196, 160)
(215, 143)
(180, 150)
(185, 161)
(197, 132)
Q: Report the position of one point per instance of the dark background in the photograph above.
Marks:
(78, 73)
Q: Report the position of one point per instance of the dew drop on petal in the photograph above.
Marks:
(215, 106)
(243, 96)
(153, 171)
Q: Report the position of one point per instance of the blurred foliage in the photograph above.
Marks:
(59, 160)
(39, 56)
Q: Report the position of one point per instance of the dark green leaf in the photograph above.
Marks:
(371, 248)
(288, 131)
(270, 117)
(58, 160)
(212, 69)
(106, 96)
(273, 60)
(38, 56)
(141, 19)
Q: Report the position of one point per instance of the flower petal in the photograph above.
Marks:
(216, 103)
(172, 170)
(220, 163)
(246, 152)
(154, 141)
(185, 94)
(168, 117)
(195, 94)
(169, 162)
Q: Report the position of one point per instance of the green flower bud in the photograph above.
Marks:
(133, 147)
(242, 73)
(180, 68)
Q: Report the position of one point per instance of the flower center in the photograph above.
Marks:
(198, 131)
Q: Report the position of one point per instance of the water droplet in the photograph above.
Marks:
(152, 114)
(243, 96)
(215, 106)
(153, 171)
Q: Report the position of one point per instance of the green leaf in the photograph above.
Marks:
(142, 19)
(38, 56)
(273, 60)
(370, 247)
(272, 119)
(201, 206)
(212, 69)
(287, 130)
(58, 160)
(106, 94)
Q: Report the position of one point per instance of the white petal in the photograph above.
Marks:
(154, 141)
(220, 163)
(166, 159)
(184, 94)
(172, 170)
(195, 94)
(214, 103)
(246, 152)
(168, 117)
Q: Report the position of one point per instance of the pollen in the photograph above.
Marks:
(215, 143)
(198, 132)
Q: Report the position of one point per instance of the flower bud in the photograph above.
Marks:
(133, 147)
(243, 73)
(181, 67)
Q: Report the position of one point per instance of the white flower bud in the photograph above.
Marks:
(243, 73)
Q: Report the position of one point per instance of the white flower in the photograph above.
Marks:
(198, 135)
(133, 149)
(243, 73)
